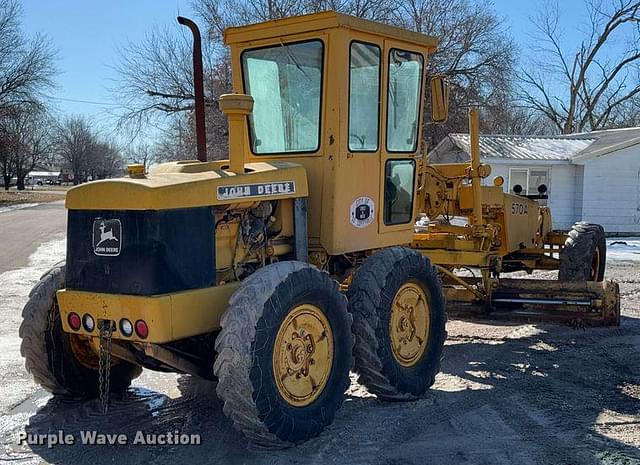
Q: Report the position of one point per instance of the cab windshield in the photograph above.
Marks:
(285, 82)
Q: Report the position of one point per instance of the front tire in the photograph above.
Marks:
(584, 255)
(53, 356)
(284, 354)
(399, 321)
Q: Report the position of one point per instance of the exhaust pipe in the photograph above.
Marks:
(198, 85)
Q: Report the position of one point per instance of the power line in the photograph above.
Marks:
(90, 102)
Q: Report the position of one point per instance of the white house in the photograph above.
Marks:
(43, 177)
(591, 176)
(42, 174)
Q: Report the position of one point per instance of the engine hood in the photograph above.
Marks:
(189, 184)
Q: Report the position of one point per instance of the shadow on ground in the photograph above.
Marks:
(554, 395)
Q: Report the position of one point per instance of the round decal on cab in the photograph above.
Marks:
(362, 212)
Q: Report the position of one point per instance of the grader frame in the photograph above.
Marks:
(271, 271)
(487, 242)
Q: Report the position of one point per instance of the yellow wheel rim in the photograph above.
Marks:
(83, 351)
(303, 355)
(409, 324)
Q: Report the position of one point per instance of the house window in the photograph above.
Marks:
(529, 179)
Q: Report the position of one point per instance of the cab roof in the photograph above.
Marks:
(321, 21)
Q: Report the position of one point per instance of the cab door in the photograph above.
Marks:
(363, 137)
(401, 129)
(356, 195)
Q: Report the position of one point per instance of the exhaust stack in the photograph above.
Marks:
(198, 85)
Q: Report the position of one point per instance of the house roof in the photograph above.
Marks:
(570, 147)
(524, 147)
(44, 173)
(607, 141)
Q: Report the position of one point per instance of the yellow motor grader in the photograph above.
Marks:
(298, 259)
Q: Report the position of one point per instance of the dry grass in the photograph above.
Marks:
(13, 197)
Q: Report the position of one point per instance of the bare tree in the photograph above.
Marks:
(75, 142)
(220, 14)
(26, 69)
(178, 140)
(592, 87)
(155, 85)
(30, 129)
(155, 76)
(104, 160)
(475, 52)
(80, 149)
(145, 154)
(8, 144)
(26, 64)
(505, 117)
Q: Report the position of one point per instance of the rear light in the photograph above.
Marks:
(88, 323)
(126, 328)
(142, 330)
(74, 321)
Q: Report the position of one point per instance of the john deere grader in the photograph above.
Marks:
(298, 259)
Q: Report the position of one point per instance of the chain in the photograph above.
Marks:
(104, 363)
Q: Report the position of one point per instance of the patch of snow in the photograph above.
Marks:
(623, 249)
(16, 285)
(453, 383)
(18, 206)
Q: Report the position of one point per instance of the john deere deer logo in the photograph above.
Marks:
(107, 237)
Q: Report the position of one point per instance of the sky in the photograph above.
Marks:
(87, 34)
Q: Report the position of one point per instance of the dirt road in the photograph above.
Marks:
(508, 393)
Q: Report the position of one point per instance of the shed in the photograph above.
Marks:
(592, 176)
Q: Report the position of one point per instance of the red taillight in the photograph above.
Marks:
(142, 330)
(74, 321)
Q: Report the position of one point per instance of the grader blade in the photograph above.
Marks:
(589, 303)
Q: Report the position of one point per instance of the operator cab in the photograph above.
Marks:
(343, 97)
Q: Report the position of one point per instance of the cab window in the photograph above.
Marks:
(403, 100)
(398, 191)
(364, 97)
(285, 82)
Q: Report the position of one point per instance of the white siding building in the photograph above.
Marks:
(591, 177)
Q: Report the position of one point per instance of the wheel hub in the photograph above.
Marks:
(83, 351)
(303, 355)
(409, 324)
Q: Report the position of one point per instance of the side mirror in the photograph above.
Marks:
(439, 99)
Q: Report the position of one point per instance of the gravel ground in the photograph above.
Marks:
(507, 393)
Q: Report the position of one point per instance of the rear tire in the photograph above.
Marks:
(584, 255)
(392, 363)
(48, 350)
(274, 393)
